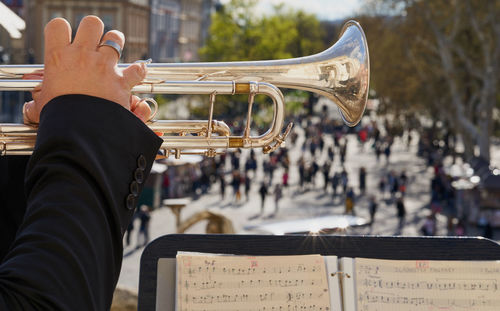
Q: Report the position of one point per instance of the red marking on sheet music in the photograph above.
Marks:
(422, 264)
(254, 263)
(186, 262)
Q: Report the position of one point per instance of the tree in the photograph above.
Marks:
(236, 34)
(448, 54)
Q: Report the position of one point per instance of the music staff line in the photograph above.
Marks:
(288, 297)
(259, 283)
(388, 298)
(441, 284)
(192, 271)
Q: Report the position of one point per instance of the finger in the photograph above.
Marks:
(37, 75)
(33, 76)
(35, 94)
(134, 74)
(109, 52)
(89, 32)
(29, 113)
(57, 34)
(140, 108)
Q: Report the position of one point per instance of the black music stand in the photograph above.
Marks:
(402, 248)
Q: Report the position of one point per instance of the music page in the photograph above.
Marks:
(208, 282)
(407, 285)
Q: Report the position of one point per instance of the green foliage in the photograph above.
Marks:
(236, 34)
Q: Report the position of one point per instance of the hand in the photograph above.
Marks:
(84, 67)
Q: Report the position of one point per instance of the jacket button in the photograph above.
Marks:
(130, 202)
(141, 162)
(139, 175)
(134, 188)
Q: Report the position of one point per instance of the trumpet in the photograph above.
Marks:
(341, 73)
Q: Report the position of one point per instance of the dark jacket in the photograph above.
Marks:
(82, 181)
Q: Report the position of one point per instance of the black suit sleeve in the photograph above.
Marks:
(82, 181)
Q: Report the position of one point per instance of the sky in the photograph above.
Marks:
(323, 9)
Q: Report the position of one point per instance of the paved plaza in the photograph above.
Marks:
(297, 204)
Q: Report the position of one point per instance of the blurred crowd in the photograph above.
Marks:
(320, 166)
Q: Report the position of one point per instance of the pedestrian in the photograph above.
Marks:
(373, 209)
(335, 183)
(401, 211)
(235, 160)
(302, 172)
(488, 230)
(378, 150)
(344, 180)
(387, 152)
(273, 165)
(429, 226)
(247, 187)
(165, 186)
(128, 233)
(263, 194)
(285, 179)
(222, 183)
(381, 186)
(326, 174)
(343, 151)
(349, 202)
(144, 217)
(460, 228)
(235, 183)
(331, 154)
(314, 170)
(362, 180)
(278, 193)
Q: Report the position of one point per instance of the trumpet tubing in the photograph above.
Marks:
(341, 73)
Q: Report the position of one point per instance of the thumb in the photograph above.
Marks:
(134, 74)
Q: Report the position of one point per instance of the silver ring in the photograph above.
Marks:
(113, 45)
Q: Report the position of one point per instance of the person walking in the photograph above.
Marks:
(285, 178)
(373, 209)
(349, 202)
(278, 193)
(362, 180)
(335, 183)
(344, 180)
(144, 217)
(247, 187)
(222, 183)
(236, 182)
(326, 175)
(128, 233)
(401, 212)
(263, 194)
(429, 226)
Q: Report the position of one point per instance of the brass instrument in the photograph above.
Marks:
(341, 73)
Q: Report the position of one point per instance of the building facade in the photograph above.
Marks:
(12, 51)
(129, 16)
(178, 29)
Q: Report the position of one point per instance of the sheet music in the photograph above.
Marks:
(264, 283)
(407, 285)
